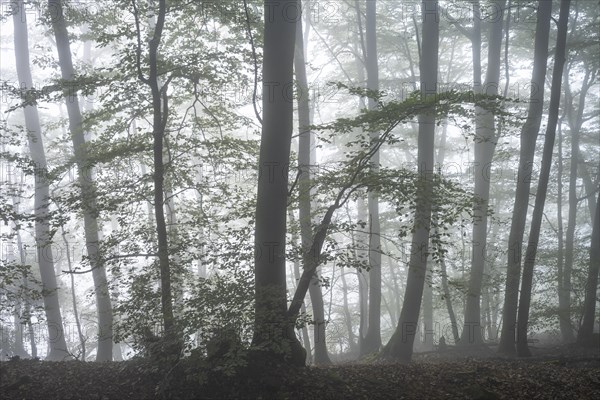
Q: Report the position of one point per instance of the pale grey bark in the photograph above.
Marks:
(57, 345)
(585, 335)
(352, 344)
(484, 147)
(363, 277)
(542, 188)
(296, 275)
(304, 185)
(529, 134)
(372, 341)
(86, 183)
(575, 121)
(400, 345)
(428, 329)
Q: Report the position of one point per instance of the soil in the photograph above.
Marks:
(551, 373)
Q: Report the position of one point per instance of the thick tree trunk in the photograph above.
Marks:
(540, 198)
(86, 183)
(304, 183)
(485, 145)
(57, 344)
(529, 134)
(271, 326)
(400, 345)
(372, 341)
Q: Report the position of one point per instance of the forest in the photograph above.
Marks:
(320, 199)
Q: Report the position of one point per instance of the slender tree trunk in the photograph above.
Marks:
(352, 344)
(560, 252)
(21, 311)
(19, 325)
(296, 274)
(484, 147)
(86, 183)
(540, 198)
(159, 122)
(363, 280)
(27, 303)
(304, 184)
(588, 184)
(82, 338)
(57, 344)
(372, 340)
(400, 345)
(362, 275)
(448, 300)
(446, 295)
(529, 134)
(575, 121)
(428, 331)
(585, 335)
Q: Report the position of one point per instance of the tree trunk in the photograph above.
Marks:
(400, 345)
(57, 344)
(21, 311)
(448, 299)
(296, 275)
(484, 147)
(529, 134)
(428, 331)
(363, 280)
(82, 338)
(160, 114)
(540, 198)
(271, 327)
(18, 348)
(352, 345)
(304, 183)
(585, 335)
(372, 341)
(560, 252)
(564, 295)
(86, 183)
(447, 296)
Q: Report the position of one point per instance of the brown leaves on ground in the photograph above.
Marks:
(427, 378)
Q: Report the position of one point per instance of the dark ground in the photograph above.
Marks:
(552, 373)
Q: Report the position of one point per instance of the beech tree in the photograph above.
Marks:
(86, 183)
(372, 340)
(585, 336)
(272, 330)
(57, 344)
(540, 198)
(484, 146)
(158, 181)
(305, 165)
(400, 345)
(529, 134)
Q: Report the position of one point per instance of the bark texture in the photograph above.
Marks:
(529, 134)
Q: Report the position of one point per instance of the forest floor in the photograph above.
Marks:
(552, 373)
